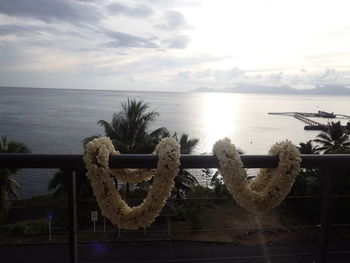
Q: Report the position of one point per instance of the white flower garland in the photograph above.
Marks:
(265, 192)
(133, 176)
(106, 192)
(269, 187)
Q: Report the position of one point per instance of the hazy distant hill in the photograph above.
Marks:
(249, 88)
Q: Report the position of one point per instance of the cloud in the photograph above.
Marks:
(178, 42)
(298, 79)
(228, 75)
(121, 39)
(276, 78)
(173, 20)
(130, 79)
(156, 63)
(10, 55)
(218, 76)
(19, 30)
(51, 11)
(30, 30)
(138, 11)
(329, 75)
(184, 75)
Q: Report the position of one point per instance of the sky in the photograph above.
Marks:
(174, 45)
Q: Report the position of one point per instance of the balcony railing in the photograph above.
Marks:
(72, 163)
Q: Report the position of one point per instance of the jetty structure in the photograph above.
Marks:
(312, 124)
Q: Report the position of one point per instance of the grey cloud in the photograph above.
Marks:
(188, 75)
(178, 42)
(11, 55)
(40, 36)
(19, 30)
(157, 63)
(130, 79)
(51, 11)
(276, 77)
(218, 75)
(166, 4)
(328, 75)
(121, 39)
(185, 75)
(227, 75)
(138, 11)
(203, 73)
(173, 20)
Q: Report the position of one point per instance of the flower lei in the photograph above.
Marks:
(265, 192)
(107, 195)
(269, 187)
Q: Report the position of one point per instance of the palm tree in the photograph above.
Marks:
(129, 128)
(187, 145)
(335, 138)
(59, 182)
(308, 148)
(8, 186)
(59, 185)
(129, 134)
(185, 180)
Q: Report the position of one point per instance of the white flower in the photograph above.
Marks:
(269, 187)
(266, 191)
(107, 195)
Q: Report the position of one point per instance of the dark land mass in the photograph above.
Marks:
(260, 89)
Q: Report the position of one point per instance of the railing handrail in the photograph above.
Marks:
(75, 161)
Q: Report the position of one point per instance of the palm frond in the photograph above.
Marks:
(109, 129)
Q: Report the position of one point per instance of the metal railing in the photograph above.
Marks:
(72, 163)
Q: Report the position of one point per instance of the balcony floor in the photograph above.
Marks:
(174, 251)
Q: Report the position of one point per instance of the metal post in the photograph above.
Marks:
(104, 223)
(72, 216)
(50, 236)
(169, 228)
(327, 194)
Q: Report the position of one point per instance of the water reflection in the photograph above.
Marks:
(220, 114)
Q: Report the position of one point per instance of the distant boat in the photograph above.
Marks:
(324, 114)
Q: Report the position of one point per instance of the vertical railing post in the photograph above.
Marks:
(72, 216)
(327, 194)
(169, 227)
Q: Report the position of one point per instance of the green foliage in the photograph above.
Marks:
(192, 214)
(199, 191)
(219, 187)
(308, 148)
(184, 181)
(19, 228)
(59, 184)
(307, 183)
(29, 228)
(138, 193)
(335, 138)
(8, 186)
(129, 128)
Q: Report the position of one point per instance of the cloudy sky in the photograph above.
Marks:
(173, 45)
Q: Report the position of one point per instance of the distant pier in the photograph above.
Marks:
(311, 124)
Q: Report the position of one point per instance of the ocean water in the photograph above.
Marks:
(56, 121)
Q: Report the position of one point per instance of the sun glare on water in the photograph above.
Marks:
(220, 115)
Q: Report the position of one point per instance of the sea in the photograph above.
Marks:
(57, 120)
